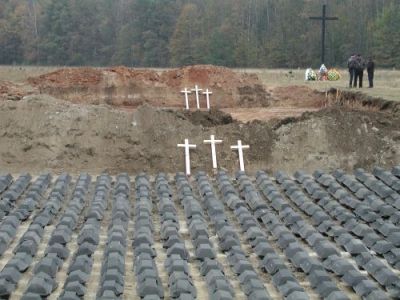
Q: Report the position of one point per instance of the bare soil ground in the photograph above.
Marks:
(121, 86)
(15, 91)
(121, 119)
(40, 133)
(290, 101)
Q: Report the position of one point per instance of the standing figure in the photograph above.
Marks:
(371, 71)
(351, 64)
(360, 66)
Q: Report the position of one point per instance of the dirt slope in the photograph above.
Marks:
(40, 133)
(14, 91)
(121, 86)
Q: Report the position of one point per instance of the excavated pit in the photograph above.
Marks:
(87, 118)
(41, 132)
(361, 101)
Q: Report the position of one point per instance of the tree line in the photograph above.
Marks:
(169, 33)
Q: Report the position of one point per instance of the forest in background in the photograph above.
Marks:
(169, 33)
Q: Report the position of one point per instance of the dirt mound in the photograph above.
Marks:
(298, 96)
(339, 137)
(204, 118)
(13, 91)
(45, 133)
(121, 86)
(68, 78)
(208, 75)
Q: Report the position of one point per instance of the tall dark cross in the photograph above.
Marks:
(324, 18)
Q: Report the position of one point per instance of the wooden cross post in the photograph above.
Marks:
(213, 142)
(187, 147)
(324, 18)
(197, 90)
(208, 93)
(186, 92)
(239, 147)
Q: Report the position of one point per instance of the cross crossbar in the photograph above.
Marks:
(213, 142)
(186, 92)
(187, 147)
(208, 93)
(239, 147)
(197, 90)
(323, 19)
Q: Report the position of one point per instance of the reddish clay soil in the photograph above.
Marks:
(15, 92)
(68, 78)
(208, 75)
(121, 86)
(241, 95)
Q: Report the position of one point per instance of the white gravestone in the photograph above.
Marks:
(197, 90)
(239, 147)
(207, 93)
(186, 92)
(187, 147)
(213, 142)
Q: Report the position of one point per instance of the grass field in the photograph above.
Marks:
(21, 73)
(387, 82)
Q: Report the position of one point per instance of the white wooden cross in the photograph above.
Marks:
(197, 90)
(239, 147)
(213, 142)
(207, 93)
(186, 92)
(187, 147)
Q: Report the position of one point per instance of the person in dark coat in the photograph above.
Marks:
(360, 66)
(371, 71)
(351, 64)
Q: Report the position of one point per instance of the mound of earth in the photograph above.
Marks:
(68, 78)
(210, 118)
(41, 132)
(13, 91)
(121, 86)
(298, 96)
